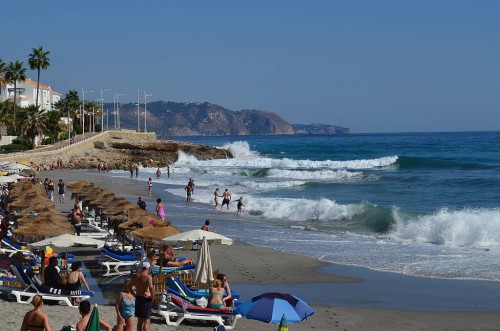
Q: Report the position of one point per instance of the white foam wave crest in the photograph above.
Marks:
(240, 150)
(252, 160)
(302, 209)
(463, 228)
(314, 175)
(272, 185)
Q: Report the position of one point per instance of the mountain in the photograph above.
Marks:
(203, 118)
(317, 128)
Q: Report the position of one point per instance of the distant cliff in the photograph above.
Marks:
(203, 118)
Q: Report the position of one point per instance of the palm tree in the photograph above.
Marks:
(53, 128)
(15, 72)
(3, 80)
(33, 121)
(38, 60)
(4, 115)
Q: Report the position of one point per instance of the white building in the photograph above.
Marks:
(26, 94)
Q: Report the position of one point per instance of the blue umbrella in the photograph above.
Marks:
(270, 307)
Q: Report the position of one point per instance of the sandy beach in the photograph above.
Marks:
(250, 268)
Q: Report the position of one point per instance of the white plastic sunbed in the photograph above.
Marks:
(34, 286)
(176, 310)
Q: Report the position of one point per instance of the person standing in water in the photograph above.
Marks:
(216, 197)
(158, 173)
(240, 205)
(226, 198)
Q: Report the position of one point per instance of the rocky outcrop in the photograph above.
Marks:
(120, 154)
(118, 149)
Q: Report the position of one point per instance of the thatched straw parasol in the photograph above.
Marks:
(156, 232)
(79, 184)
(144, 220)
(119, 208)
(34, 231)
(54, 217)
(32, 200)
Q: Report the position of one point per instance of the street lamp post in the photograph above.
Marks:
(102, 109)
(145, 110)
(138, 111)
(118, 109)
(83, 110)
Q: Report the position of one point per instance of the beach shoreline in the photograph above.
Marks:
(263, 268)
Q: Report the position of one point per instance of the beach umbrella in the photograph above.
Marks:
(155, 232)
(197, 235)
(94, 323)
(204, 272)
(10, 179)
(273, 307)
(68, 240)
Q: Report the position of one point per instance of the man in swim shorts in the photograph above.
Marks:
(226, 198)
(143, 283)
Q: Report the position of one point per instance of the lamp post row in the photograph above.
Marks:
(116, 111)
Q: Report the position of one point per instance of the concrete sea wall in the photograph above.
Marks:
(64, 151)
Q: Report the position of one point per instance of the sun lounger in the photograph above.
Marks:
(113, 259)
(175, 283)
(34, 286)
(175, 309)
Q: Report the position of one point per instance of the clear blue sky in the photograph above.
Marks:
(374, 66)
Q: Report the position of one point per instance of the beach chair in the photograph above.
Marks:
(33, 286)
(175, 283)
(113, 259)
(175, 310)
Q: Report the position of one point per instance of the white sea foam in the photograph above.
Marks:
(314, 175)
(243, 157)
(459, 228)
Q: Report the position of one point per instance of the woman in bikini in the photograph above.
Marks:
(160, 209)
(216, 295)
(228, 299)
(76, 279)
(150, 186)
(125, 308)
(36, 319)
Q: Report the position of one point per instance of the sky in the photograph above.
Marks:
(372, 66)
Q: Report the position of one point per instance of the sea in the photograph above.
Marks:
(420, 204)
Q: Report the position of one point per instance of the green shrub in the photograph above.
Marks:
(15, 147)
(22, 141)
(98, 128)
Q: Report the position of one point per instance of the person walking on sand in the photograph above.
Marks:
(150, 186)
(36, 319)
(61, 187)
(216, 197)
(51, 189)
(226, 198)
(143, 283)
(240, 205)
